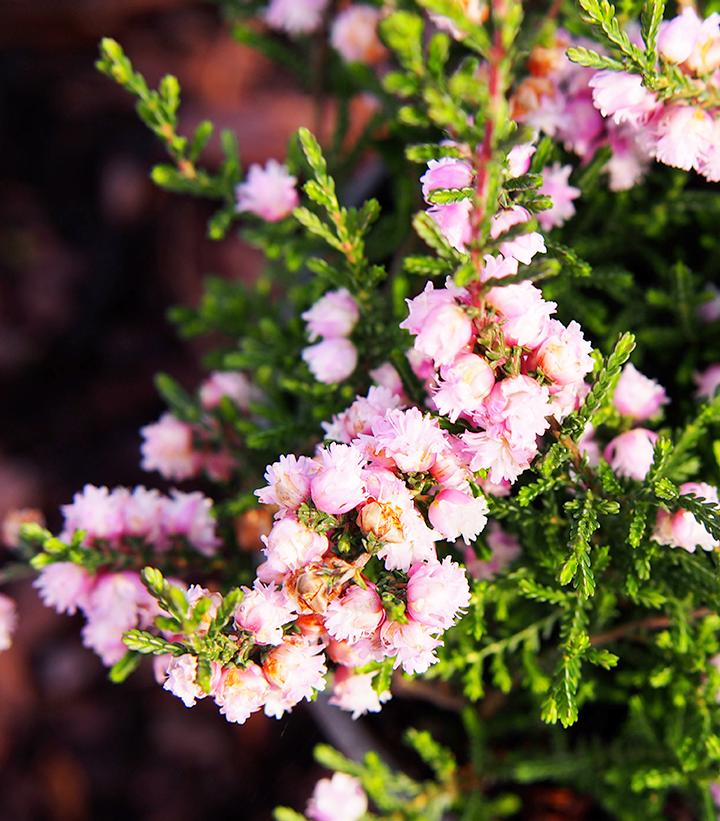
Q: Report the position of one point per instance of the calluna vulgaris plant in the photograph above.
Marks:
(438, 414)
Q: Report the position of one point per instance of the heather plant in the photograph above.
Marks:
(473, 421)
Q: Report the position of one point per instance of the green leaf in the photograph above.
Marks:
(122, 669)
(402, 32)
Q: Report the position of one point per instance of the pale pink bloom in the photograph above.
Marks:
(122, 600)
(333, 315)
(242, 692)
(507, 218)
(709, 311)
(64, 586)
(705, 56)
(180, 679)
(448, 331)
(519, 159)
(629, 160)
(565, 399)
(190, 515)
(455, 514)
(556, 186)
(521, 406)
(340, 798)
(331, 360)
(97, 511)
(565, 355)
(355, 615)
(421, 306)
(193, 595)
(290, 546)
(524, 247)
(676, 38)
(411, 439)
(412, 644)
(386, 376)
(453, 220)
(450, 469)
(499, 489)
(339, 484)
(493, 451)
(231, 384)
(295, 16)
(682, 529)
(422, 366)
(142, 514)
(683, 134)
(637, 396)
(104, 638)
(447, 172)
(8, 622)
(437, 593)
(297, 669)
(707, 381)
(358, 418)
(463, 385)
(268, 192)
(264, 611)
(709, 161)
(524, 312)
(582, 125)
(354, 35)
(168, 448)
(358, 654)
(505, 549)
(623, 97)
(631, 454)
(219, 465)
(354, 692)
(498, 267)
(715, 788)
(288, 482)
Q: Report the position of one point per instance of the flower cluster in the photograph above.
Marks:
(331, 320)
(682, 529)
(499, 362)
(179, 450)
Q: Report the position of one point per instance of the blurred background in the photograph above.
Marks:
(91, 256)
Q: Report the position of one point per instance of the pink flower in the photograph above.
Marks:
(521, 406)
(508, 218)
(242, 692)
(354, 616)
(291, 545)
(13, 522)
(264, 611)
(297, 669)
(436, 593)
(448, 331)
(142, 514)
(358, 418)
(524, 247)
(682, 529)
(493, 451)
(386, 376)
(453, 220)
(707, 381)
(340, 798)
(288, 482)
(629, 160)
(354, 35)
(519, 159)
(339, 484)
(268, 192)
(631, 454)
(168, 448)
(447, 172)
(505, 549)
(524, 312)
(331, 360)
(409, 438)
(684, 134)
(455, 514)
(332, 316)
(709, 311)
(180, 679)
(555, 185)
(498, 267)
(97, 511)
(190, 515)
(637, 396)
(421, 306)
(564, 356)
(355, 693)
(412, 645)
(8, 621)
(64, 586)
(231, 384)
(676, 38)
(463, 385)
(622, 96)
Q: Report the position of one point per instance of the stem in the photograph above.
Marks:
(650, 623)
